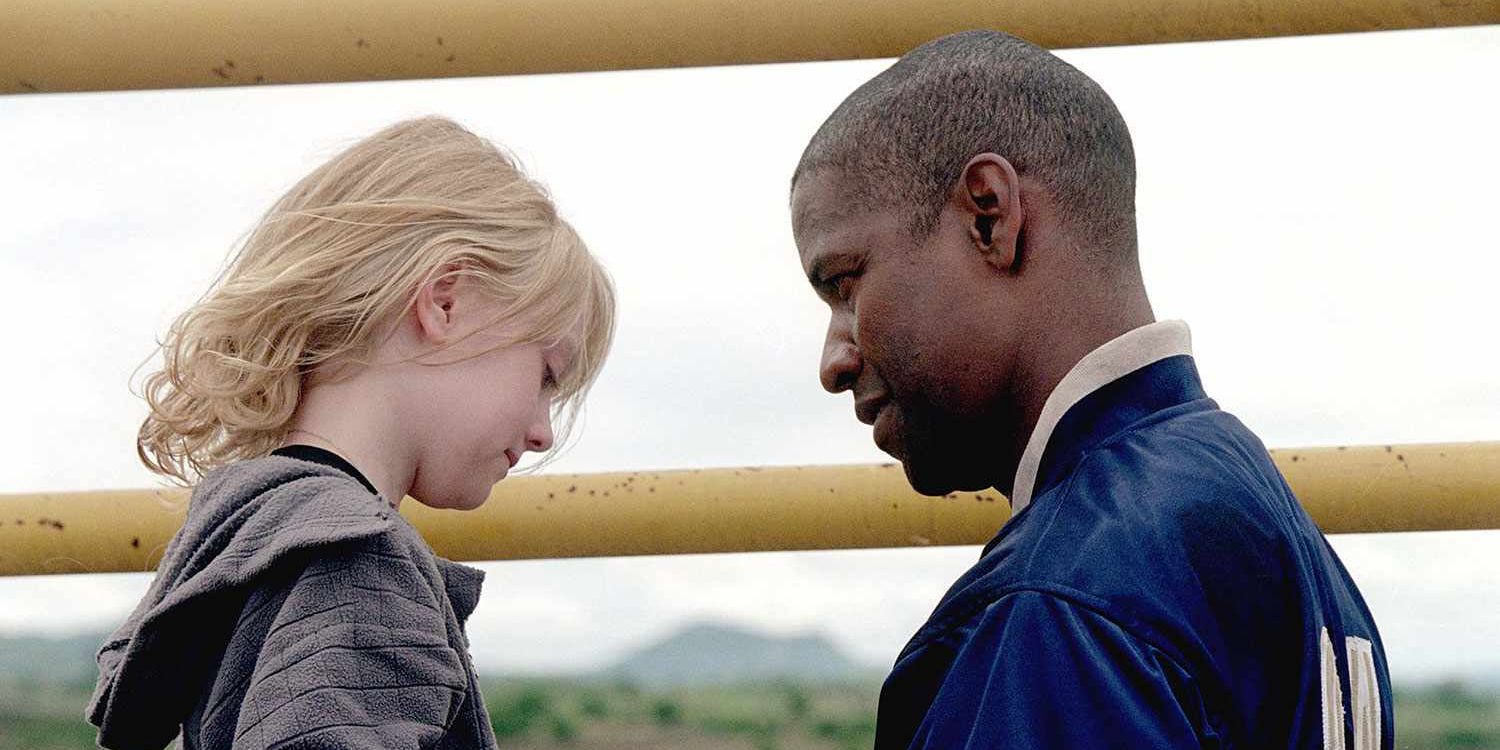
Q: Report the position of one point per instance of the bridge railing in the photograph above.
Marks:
(102, 45)
(1346, 490)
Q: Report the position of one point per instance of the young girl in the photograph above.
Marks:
(406, 321)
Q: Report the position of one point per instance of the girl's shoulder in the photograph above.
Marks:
(246, 524)
(248, 516)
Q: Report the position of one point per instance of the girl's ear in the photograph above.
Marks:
(434, 306)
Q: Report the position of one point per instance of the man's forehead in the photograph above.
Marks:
(831, 216)
(821, 207)
(813, 205)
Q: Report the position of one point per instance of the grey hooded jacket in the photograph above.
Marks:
(294, 609)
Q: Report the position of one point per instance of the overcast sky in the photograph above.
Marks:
(1320, 210)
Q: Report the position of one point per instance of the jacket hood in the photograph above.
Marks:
(242, 521)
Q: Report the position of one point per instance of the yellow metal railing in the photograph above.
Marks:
(96, 45)
(1355, 489)
(90, 45)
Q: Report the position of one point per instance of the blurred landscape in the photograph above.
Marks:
(707, 686)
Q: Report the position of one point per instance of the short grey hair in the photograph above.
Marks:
(905, 136)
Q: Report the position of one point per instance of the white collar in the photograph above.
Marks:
(1117, 358)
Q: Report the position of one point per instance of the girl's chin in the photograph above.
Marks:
(469, 500)
(457, 499)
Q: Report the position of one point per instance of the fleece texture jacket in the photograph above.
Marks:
(294, 608)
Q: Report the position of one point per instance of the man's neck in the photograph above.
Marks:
(1051, 361)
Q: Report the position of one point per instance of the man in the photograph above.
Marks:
(969, 217)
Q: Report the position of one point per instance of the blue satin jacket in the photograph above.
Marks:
(1163, 589)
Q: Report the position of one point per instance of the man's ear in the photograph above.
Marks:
(990, 196)
(434, 306)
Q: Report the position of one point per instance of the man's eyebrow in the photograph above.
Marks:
(818, 270)
(815, 272)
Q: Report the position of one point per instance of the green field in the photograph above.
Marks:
(580, 714)
(596, 715)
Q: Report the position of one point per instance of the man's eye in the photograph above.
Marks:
(841, 285)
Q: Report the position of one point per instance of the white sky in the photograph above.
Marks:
(1320, 210)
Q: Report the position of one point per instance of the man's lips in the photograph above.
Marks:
(884, 433)
(868, 409)
(512, 457)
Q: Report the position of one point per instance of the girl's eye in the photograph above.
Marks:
(549, 380)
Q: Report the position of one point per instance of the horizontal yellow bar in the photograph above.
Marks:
(1357, 489)
(98, 45)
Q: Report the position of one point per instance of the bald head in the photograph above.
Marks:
(904, 137)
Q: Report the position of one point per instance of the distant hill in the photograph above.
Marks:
(719, 654)
(698, 654)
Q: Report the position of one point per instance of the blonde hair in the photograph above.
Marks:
(334, 264)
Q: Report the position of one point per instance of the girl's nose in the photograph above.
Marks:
(539, 437)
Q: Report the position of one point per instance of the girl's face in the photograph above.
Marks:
(486, 405)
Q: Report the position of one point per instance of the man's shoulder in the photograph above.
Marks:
(1143, 526)
(1199, 467)
(1197, 471)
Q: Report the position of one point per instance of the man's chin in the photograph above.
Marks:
(936, 477)
(936, 481)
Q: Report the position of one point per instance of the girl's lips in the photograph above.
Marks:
(513, 458)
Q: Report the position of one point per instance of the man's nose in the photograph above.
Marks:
(841, 362)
